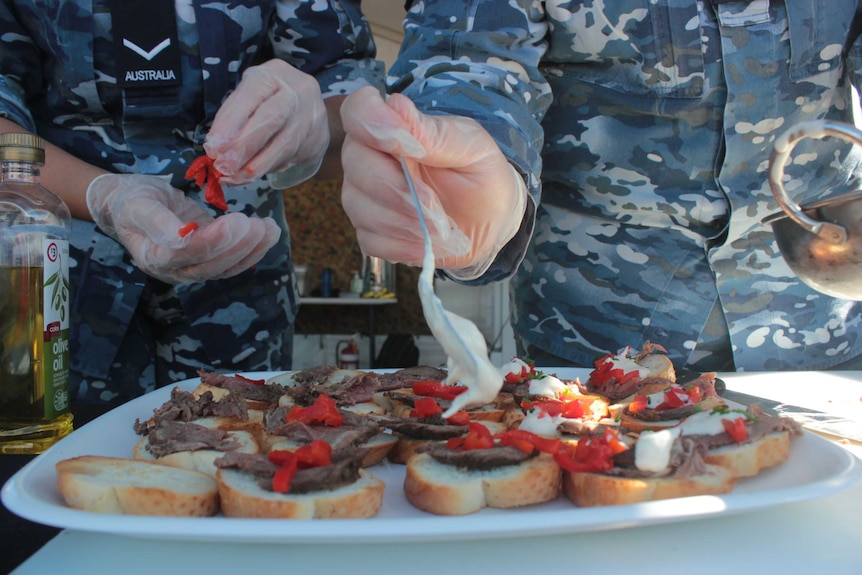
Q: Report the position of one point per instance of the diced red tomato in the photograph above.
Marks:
(673, 397)
(425, 407)
(639, 403)
(605, 372)
(322, 412)
(593, 453)
(736, 428)
(431, 388)
(526, 372)
(695, 395)
(571, 408)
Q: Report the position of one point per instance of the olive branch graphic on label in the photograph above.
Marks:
(60, 291)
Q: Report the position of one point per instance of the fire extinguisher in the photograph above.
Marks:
(347, 353)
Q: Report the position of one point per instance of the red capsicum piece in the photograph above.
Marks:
(431, 388)
(203, 171)
(459, 418)
(425, 407)
(248, 379)
(478, 437)
(318, 453)
(323, 411)
(188, 228)
(527, 441)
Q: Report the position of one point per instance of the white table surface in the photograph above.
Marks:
(822, 535)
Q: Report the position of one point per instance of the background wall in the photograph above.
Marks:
(323, 237)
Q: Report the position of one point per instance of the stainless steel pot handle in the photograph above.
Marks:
(832, 233)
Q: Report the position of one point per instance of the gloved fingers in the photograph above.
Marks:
(275, 118)
(210, 252)
(449, 141)
(149, 216)
(271, 235)
(204, 244)
(378, 202)
(367, 118)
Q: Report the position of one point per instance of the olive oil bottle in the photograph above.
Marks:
(34, 302)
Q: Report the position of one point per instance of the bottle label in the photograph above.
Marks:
(55, 255)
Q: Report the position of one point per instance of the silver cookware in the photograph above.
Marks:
(821, 242)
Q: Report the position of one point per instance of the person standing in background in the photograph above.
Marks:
(128, 95)
(611, 158)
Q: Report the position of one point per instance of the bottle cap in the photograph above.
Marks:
(22, 147)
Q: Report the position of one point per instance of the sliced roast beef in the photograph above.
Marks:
(476, 459)
(257, 463)
(434, 427)
(759, 425)
(405, 378)
(355, 429)
(243, 387)
(184, 406)
(175, 436)
(343, 471)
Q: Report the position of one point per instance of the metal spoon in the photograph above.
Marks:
(465, 347)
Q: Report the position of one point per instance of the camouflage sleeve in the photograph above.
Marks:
(480, 59)
(18, 60)
(330, 40)
(854, 54)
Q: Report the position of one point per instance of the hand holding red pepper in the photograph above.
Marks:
(274, 123)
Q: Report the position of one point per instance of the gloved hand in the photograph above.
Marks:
(472, 197)
(274, 124)
(145, 213)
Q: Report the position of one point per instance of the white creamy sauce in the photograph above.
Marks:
(707, 422)
(655, 399)
(652, 449)
(540, 423)
(547, 385)
(464, 344)
(515, 367)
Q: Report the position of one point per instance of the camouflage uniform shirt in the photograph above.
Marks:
(57, 79)
(643, 129)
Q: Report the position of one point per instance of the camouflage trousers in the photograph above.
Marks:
(160, 347)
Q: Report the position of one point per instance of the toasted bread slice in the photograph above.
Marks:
(242, 496)
(595, 489)
(749, 459)
(444, 489)
(133, 487)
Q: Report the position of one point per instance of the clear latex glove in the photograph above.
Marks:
(473, 198)
(145, 213)
(274, 124)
